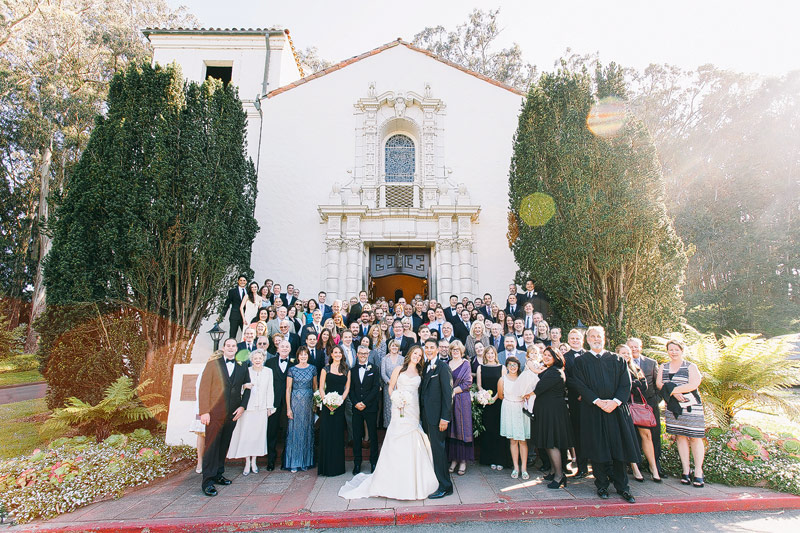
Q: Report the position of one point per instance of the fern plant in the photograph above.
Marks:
(122, 404)
(741, 371)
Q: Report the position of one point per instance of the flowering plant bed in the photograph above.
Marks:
(745, 456)
(71, 473)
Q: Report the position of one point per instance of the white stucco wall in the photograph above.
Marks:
(308, 143)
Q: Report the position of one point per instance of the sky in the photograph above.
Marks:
(747, 36)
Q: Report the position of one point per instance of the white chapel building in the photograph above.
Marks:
(386, 172)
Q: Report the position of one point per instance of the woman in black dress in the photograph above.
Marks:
(552, 429)
(494, 447)
(334, 378)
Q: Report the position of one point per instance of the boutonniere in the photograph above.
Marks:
(291, 361)
(239, 363)
(369, 367)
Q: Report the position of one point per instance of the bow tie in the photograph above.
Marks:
(283, 360)
(359, 365)
(230, 361)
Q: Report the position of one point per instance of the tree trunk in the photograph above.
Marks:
(38, 300)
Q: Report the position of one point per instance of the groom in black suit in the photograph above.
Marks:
(364, 393)
(234, 301)
(436, 399)
(221, 403)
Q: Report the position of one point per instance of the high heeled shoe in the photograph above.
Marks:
(686, 480)
(549, 477)
(253, 466)
(558, 484)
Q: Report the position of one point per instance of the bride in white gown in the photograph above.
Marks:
(405, 465)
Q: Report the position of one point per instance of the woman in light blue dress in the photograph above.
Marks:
(301, 382)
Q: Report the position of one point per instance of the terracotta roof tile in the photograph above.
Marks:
(382, 48)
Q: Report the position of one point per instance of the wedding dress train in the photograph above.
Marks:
(405, 464)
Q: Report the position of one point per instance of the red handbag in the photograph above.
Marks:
(642, 413)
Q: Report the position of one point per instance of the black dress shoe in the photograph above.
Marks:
(210, 490)
(222, 480)
(581, 474)
(603, 493)
(628, 497)
(372, 467)
(357, 469)
(440, 494)
(271, 466)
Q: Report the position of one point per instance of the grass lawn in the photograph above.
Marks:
(19, 426)
(17, 378)
(22, 368)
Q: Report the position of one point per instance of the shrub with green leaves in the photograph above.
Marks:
(744, 456)
(123, 403)
(740, 371)
(75, 472)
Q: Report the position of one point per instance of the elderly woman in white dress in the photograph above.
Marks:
(249, 439)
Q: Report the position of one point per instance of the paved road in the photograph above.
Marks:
(22, 392)
(760, 521)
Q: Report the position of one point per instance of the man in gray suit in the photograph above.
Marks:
(510, 344)
(649, 368)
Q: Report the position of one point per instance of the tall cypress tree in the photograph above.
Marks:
(592, 227)
(158, 220)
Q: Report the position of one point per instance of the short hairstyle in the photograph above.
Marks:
(635, 340)
(362, 348)
(430, 340)
(512, 359)
(597, 329)
(393, 342)
(677, 343)
(575, 330)
(457, 345)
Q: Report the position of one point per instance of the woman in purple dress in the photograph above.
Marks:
(460, 444)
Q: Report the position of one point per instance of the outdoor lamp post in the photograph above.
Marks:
(216, 335)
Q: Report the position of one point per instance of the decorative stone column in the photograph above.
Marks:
(353, 277)
(333, 246)
(444, 255)
(465, 259)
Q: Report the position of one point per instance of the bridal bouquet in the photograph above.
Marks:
(317, 400)
(400, 399)
(332, 401)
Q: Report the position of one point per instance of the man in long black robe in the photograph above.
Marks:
(608, 436)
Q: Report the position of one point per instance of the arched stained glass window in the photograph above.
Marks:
(399, 159)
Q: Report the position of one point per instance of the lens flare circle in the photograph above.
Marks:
(537, 209)
(606, 117)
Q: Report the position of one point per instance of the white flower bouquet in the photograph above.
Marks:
(401, 399)
(484, 397)
(332, 400)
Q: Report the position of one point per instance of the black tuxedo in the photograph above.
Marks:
(219, 396)
(234, 301)
(450, 315)
(277, 422)
(487, 313)
(436, 401)
(368, 392)
(283, 299)
(575, 406)
(460, 330)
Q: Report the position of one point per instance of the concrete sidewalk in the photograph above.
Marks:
(286, 500)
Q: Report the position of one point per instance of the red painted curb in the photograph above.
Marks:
(529, 510)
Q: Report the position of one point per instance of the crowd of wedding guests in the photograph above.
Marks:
(542, 397)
